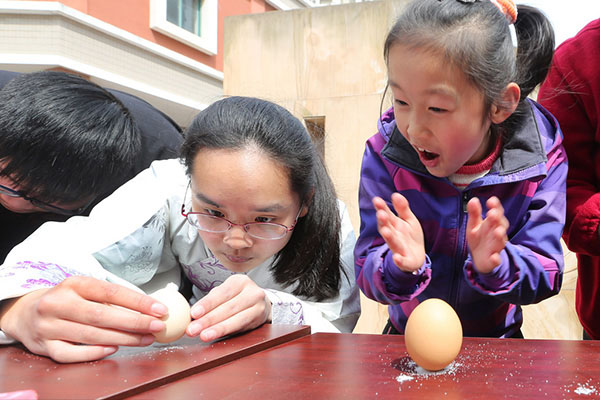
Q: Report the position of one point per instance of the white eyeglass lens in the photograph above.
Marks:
(266, 231)
(208, 223)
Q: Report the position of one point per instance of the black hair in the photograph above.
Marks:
(475, 38)
(64, 139)
(311, 259)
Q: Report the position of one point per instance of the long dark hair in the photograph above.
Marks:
(311, 259)
(475, 38)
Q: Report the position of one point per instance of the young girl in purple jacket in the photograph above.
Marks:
(462, 192)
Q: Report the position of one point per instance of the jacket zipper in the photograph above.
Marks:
(460, 249)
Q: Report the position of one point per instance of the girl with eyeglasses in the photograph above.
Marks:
(250, 218)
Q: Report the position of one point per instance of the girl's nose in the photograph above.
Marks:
(416, 128)
(237, 238)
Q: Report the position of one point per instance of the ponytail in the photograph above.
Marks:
(535, 38)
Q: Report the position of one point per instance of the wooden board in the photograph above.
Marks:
(132, 369)
(353, 366)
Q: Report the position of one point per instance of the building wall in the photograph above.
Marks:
(328, 61)
(134, 16)
(111, 43)
(324, 61)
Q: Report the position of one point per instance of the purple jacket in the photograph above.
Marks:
(529, 178)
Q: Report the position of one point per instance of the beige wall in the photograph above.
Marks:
(321, 61)
(328, 61)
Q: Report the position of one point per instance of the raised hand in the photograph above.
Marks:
(486, 237)
(238, 304)
(401, 232)
(76, 320)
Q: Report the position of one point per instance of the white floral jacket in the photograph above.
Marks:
(137, 237)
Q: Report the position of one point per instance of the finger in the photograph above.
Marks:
(101, 315)
(75, 332)
(383, 219)
(111, 293)
(219, 295)
(65, 352)
(402, 208)
(251, 298)
(383, 212)
(380, 204)
(494, 203)
(394, 239)
(500, 236)
(495, 218)
(241, 321)
(245, 300)
(474, 214)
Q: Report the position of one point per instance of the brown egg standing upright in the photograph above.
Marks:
(433, 334)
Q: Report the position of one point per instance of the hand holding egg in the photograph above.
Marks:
(433, 334)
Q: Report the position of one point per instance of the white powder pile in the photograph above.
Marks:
(404, 378)
(412, 371)
(585, 389)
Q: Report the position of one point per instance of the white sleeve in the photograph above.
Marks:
(58, 250)
(338, 315)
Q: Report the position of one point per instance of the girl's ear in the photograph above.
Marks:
(304, 210)
(508, 103)
(306, 203)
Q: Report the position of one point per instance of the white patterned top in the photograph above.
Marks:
(152, 244)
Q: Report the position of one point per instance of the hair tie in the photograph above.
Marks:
(508, 8)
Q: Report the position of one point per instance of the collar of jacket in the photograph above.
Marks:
(523, 152)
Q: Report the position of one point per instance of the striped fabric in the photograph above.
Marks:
(468, 173)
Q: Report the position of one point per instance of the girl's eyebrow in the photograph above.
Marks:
(443, 91)
(393, 84)
(271, 208)
(440, 90)
(204, 199)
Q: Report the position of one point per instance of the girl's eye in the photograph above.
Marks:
(401, 102)
(264, 219)
(214, 213)
(437, 109)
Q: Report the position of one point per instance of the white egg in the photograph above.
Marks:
(178, 318)
(433, 334)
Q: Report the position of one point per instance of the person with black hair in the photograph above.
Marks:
(250, 216)
(66, 143)
(474, 171)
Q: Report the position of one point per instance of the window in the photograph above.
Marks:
(193, 22)
(185, 14)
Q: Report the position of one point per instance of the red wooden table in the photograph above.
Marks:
(132, 369)
(352, 366)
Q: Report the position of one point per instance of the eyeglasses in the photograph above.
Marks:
(42, 204)
(259, 230)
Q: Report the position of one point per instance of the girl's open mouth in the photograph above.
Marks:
(427, 155)
(428, 158)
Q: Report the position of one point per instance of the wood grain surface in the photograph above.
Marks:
(354, 366)
(132, 369)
